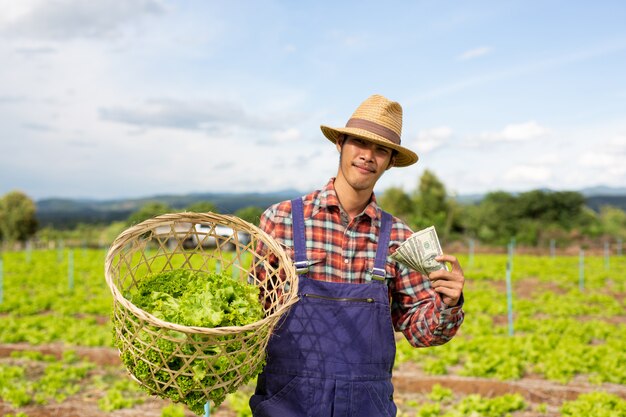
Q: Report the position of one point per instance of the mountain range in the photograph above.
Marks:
(67, 213)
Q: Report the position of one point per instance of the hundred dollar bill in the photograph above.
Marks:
(418, 252)
(410, 261)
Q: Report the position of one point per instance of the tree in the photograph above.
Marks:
(396, 201)
(147, 211)
(432, 194)
(251, 214)
(431, 205)
(111, 232)
(18, 220)
(613, 221)
(496, 218)
(562, 207)
(202, 207)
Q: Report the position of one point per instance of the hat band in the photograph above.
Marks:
(375, 128)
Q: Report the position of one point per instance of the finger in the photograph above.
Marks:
(452, 285)
(439, 277)
(449, 297)
(443, 275)
(452, 260)
(446, 258)
(450, 292)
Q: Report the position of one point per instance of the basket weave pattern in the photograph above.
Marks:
(230, 355)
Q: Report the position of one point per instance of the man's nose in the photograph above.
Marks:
(367, 151)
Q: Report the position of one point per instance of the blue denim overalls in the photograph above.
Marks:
(333, 353)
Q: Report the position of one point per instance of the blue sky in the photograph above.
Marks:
(127, 98)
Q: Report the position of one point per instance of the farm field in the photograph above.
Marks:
(560, 350)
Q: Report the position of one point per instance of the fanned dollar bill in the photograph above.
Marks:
(418, 252)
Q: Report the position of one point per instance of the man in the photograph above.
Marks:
(333, 353)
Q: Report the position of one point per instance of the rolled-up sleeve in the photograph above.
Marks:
(418, 312)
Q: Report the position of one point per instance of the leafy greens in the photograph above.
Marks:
(193, 298)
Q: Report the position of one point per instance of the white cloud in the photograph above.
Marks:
(547, 159)
(606, 168)
(11, 11)
(617, 144)
(105, 88)
(515, 133)
(67, 19)
(189, 115)
(597, 160)
(607, 157)
(475, 53)
(430, 139)
(532, 174)
(287, 135)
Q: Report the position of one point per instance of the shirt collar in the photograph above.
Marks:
(327, 197)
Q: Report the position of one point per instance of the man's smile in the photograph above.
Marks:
(364, 168)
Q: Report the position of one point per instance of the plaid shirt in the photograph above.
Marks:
(343, 251)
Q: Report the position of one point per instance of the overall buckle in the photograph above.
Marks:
(302, 267)
(378, 274)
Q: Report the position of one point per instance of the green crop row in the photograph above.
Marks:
(31, 378)
(22, 384)
(553, 355)
(46, 283)
(48, 328)
(557, 331)
(441, 402)
(560, 330)
(562, 271)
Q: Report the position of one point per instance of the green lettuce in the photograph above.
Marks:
(193, 298)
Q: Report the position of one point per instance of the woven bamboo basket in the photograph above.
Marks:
(230, 356)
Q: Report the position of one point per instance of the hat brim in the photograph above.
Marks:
(404, 157)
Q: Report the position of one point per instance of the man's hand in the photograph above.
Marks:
(449, 284)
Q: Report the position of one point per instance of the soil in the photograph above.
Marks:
(410, 384)
(528, 287)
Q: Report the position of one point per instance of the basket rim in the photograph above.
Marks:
(229, 220)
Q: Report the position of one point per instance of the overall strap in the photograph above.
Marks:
(384, 234)
(299, 238)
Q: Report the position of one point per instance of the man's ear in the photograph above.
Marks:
(392, 161)
(339, 142)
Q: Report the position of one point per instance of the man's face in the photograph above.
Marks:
(362, 162)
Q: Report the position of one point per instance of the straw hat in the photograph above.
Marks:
(377, 120)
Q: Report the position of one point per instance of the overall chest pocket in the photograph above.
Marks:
(329, 329)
